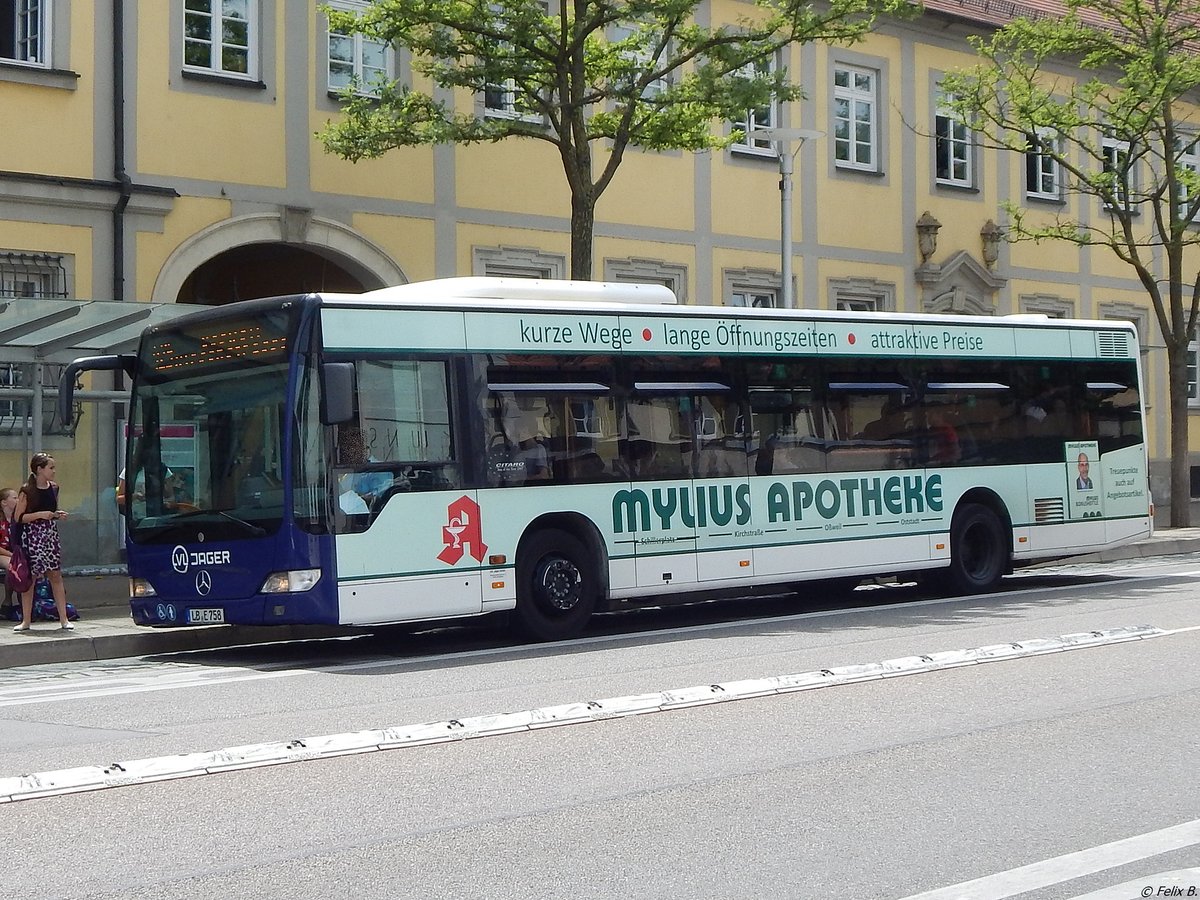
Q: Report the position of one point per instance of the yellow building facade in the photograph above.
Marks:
(167, 155)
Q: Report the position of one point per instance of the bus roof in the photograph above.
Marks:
(550, 295)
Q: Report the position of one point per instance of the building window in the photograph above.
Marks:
(356, 61)
(503, 100)
(25, 31)
(751, 288)
(1047, 305)
(220, 36)
(32, 275)
(862, 295)
(517, 262)
(952, 148)
(1043, 179)
(755, 298)
(855, 127)
(1188, 160)
(12, 375)
(858, 304)
(638, 47)
(648, 271)
(15, 411)
(754, 119)
(1117, 166)
(1193, 368)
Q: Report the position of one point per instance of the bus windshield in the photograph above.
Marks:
(206, 447)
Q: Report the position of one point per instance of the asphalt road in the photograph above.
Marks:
(1056, 775)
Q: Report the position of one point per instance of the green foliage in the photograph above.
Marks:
(1110, 92)
(639, 72)
(1137, 77)
(611, 73)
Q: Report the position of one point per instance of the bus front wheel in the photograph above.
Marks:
(978, 550)
(556, 586)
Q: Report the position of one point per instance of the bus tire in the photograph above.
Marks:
(978, 550)
(556, 586)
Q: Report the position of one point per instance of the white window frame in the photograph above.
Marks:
(658, 85)
(32, 22)
(216, 18)
(752, 288)
(12, 375)
(1193, 372)
(953, 135)
(1046, 169)
(500, 100)
(517, 262)
(1111, 149)
(754, 298)
(755, 119)
(862, 295)
(365, 80)
(1188, 158)
(855, 101)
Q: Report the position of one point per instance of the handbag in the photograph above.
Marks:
(18, 578)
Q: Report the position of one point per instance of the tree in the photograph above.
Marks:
(1121, 128)
(618, 73)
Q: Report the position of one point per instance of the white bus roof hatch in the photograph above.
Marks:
(483, 288)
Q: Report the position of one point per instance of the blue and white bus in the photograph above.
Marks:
(457, 447)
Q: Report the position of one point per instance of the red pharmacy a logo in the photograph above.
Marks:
(462, 531)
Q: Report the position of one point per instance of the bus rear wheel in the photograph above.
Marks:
(556, 586)
(978, 550)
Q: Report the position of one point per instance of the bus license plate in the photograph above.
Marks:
(206, 617)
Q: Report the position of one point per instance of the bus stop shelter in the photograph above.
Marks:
(38, 338)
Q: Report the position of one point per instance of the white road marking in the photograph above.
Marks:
(1073, 865)
(36, 690)
(92, 778)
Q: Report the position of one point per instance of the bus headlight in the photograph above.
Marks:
(140, 587)
(293, 582)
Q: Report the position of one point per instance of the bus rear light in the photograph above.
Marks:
(498, 559)
(293, 582)
(140, 587)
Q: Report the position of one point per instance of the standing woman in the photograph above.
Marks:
(38, 513)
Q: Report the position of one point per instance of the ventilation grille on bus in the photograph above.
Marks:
(1113, 344)
(1049, 509)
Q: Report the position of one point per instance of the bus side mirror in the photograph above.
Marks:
(337, 393)
(126, 362)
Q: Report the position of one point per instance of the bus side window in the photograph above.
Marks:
(655, 442)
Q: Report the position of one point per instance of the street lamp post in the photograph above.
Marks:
(783, 138)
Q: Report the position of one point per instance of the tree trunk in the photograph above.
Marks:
(583, 222)
(1181, 489)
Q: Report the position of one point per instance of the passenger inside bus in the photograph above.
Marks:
(891, 423)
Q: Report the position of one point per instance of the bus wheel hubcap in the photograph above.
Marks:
(560, 583)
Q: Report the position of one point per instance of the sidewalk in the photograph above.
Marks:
(106, 631)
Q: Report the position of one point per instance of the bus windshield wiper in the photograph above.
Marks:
(256, 530)
(178, 521)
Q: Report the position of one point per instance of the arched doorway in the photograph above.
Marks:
(265, 255)
(265, 270)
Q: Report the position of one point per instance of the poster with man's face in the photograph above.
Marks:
(1084, 494)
